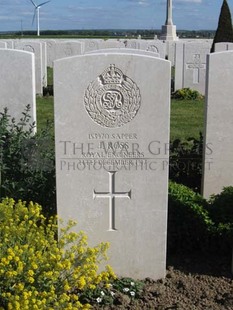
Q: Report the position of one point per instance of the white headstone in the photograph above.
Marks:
(218, 160)
(36, 48)
(111, 43)
(132, 43)
(223, 46)
(125, 51)
(68, 49)
(50, 48)
(154, 46)
(171, 45)
(44, 64)
(17, 83)
(10, 44)
(112, 133)
(179, 66)
(60, 49)
(3, 44)
(91, 45)
(191, 64)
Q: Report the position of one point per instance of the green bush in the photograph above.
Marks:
(187, 94)
(185, 166)
(27, 162)
(39, 272)
(191, 224)
(221, 206)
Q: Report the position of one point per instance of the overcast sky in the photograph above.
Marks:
(110, 14)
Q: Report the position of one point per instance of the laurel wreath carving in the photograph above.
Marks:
(105, 118)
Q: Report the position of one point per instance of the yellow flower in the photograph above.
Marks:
(67, 287)
(20, 286)
(30, 273)
(20, 266)
(37, 260)
(81, 282)
(34, 266)
(31, 280)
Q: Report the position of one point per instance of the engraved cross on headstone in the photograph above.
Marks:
(196, 66)
(111, 195)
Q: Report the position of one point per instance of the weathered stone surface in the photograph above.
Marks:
(17, 83)
(218, 163)
(223, 46)
(125, 51)
(112, 134)
(190, 66)
(36, 48)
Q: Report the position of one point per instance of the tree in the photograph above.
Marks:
(224, 32)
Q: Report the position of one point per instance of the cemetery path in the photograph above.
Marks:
(192, 283)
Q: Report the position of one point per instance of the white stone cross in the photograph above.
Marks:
(169, 13)
(111, 194)
(196, 66)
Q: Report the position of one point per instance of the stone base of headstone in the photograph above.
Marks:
(168, 33)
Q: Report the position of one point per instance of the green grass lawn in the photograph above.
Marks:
(187, 117)
(44, 110)
(50, 76)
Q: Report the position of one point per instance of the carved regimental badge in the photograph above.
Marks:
(113, 99)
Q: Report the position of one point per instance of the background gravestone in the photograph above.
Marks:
(125, 51)
(179, 65)
(191, 72)
(91, 45)
(156, 46)
(36, 48)
(153, 46)
(218, 163)
(112, 132)
(111, 43)
(3, 44)
(132, 43)
(44, 63)
(9, 43)
(68, 49)
(223, 46)
(50, 51)
(171, 45)
(17, 83)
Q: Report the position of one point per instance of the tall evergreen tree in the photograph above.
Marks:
(224, 32)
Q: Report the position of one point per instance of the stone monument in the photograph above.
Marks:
(169, 30)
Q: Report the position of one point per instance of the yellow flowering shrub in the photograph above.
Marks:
(38, 271)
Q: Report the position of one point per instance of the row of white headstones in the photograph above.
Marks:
(188, 57)
(112, 115)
